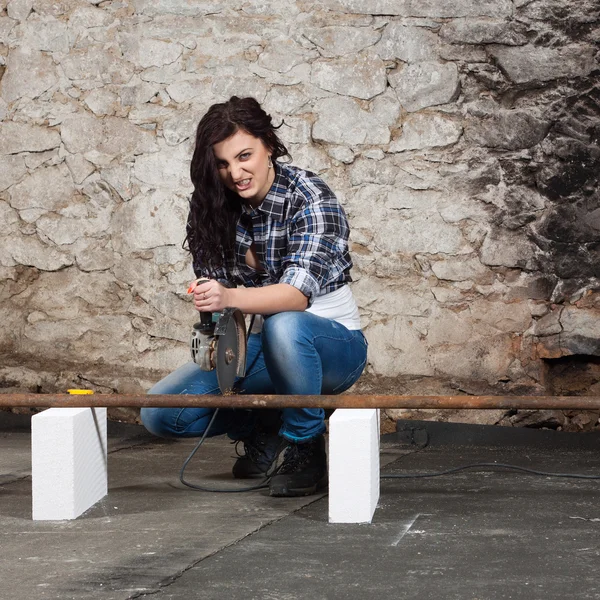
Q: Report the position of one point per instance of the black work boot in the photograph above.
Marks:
(301, 469)
(260, 450)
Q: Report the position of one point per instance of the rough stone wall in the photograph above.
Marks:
(461, 136)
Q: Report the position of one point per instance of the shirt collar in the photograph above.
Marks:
(273, 204)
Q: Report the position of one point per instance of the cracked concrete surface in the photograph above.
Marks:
(144, 535)
(492, 535)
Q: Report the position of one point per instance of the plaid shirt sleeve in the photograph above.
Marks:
(317, 250)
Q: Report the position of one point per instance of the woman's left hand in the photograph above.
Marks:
(211, 296)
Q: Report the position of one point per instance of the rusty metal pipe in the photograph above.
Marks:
(327, 402)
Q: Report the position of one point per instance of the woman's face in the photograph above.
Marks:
(243, 163)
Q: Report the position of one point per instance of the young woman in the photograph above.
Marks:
(278, 233)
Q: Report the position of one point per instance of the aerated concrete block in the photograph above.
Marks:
(353, 465)
(68, 462)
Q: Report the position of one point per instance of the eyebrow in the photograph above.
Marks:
(238, 154)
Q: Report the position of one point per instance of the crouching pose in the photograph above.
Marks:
(278, 233)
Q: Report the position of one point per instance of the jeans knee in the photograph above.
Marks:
(282, 329)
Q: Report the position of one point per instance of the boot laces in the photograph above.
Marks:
(293, 456)
(254, 446)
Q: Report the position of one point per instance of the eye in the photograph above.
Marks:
(245, 156)
(221, 165)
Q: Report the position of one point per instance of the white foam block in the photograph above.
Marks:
(353, 465)
(68, 461)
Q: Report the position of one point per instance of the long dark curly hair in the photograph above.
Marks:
(214, 209)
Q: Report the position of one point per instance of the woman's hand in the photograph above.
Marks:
(210, 295)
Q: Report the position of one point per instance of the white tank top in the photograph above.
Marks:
(339, 306)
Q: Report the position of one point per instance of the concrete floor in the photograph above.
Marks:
(472, 535)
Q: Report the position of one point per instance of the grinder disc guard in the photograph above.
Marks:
(231, 348)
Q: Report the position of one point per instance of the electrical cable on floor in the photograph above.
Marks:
(200, 488)
(263, 483)
(474, 466)
(487, 465)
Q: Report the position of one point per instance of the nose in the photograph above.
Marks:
(236, 171)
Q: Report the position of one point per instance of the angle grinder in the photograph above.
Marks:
(220, 345)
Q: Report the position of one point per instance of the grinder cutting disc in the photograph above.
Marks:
(231, 348)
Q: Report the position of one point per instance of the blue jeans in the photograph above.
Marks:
(297, 353)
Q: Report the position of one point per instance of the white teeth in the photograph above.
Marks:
(243, 182)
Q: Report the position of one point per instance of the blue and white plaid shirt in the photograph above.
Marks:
(300, 233)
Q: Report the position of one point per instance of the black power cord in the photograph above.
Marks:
(491, 466)
(201, 488)
(487, 465)
(263, 484)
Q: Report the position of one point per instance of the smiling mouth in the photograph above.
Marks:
(243, 183)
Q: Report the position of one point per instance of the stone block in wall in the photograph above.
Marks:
(335, 41)
(285, 100)
(95, 66)
(507, 129)
(300, 74)
(137, 92)
(505, 317)
(79, 168)
(41, 74)
(109, 137)
(425, 84)
(94, 255)
(507, 249)
(85, 17)
(407, 43)
(19, 9)
(30, 251)
(343, 120)
(145, 53)
(12, 170)
(410, 298)
(548, 325)
(118, 179)
(102, 102)
(64, 229)
(181, 127)
(189, 88)
(162, 75)
(362, 76)
(426, 131)
(149, 221)
(530, 64)
(580, 331)
(283, 53)
(483, 31)
(48, 189)
(70, 294)
(310, 158)
(105, 338)
(45, 33)
(461, 269)
(167, 169)
(365, 171)
(486, 359)
(396, 347)
(420, 232)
